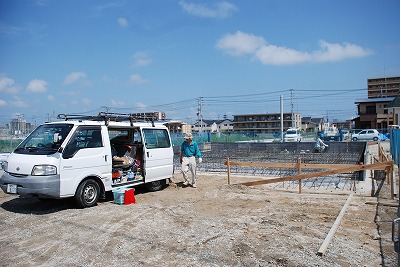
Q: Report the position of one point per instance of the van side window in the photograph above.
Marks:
(84, 137)
(156, 138)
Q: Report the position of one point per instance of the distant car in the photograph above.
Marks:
(368, 134)
(345, 134)
(293, 135)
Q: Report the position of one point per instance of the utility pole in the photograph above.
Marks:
(292, 106)
(281, 102)
(199, 115)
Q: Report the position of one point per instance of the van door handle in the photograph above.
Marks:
(147, 154)
(106, 158)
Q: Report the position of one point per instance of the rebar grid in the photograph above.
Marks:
(338, 153)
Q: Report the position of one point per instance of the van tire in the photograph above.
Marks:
(375, 139)
(155, 185)
(87, 194)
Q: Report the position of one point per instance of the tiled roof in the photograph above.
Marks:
(395, 103)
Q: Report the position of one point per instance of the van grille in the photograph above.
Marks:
(18, 175)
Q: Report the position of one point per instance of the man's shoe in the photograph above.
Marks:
(186, 183)
(194, 185)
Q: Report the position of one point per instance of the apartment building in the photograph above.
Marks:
(265, 123)
(383, 87)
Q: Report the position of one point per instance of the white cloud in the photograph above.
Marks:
(141, 59)
(123, 22)
(3, 103)
(73, 77)
(141, 106)
(221, 9)
(117, 103)
(18, 102)
(11, 30)
(37, 86)
(111, 4)
(257, 47)
(240, 43)
(50, 98)
(335, 52)
(7, 85)
(86, 101)
(137, 79)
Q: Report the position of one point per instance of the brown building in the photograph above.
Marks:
(383, 87)
(373, 113)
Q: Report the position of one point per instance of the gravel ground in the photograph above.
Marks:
(213, 225)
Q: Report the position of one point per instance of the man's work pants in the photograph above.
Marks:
(189, 164)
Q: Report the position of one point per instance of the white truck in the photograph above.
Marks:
(85, 156)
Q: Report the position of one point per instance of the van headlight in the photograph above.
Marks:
(41, 170)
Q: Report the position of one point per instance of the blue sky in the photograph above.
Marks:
(237, 57)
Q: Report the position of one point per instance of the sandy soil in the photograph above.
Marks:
(213, 225)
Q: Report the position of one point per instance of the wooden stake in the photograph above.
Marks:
(229, 171)
(299, 171)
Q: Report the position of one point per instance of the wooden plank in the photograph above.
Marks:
(299, 172)
(288, 165)
(375, 166)
(229, 172)
(382, 204)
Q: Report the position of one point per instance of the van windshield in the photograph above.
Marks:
(45, 139)
(291, 132)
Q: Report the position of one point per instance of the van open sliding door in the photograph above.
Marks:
(158, 154)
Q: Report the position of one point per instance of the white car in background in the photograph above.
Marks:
(293, 135)
(367, 134)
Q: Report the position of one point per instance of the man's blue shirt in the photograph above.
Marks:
(190, 150)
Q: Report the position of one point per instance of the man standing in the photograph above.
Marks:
(189, 151)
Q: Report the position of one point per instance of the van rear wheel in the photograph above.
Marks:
(87, 194)
(155, 185)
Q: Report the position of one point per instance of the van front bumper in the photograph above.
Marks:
(33, 186)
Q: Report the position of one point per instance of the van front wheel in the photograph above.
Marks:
(155, 185)
(87, 194)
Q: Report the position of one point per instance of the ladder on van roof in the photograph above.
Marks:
(107, 117)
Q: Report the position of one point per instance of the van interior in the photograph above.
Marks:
(127, 156)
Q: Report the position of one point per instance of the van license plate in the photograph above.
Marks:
(12, 188)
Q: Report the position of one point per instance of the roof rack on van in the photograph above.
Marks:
(107, 117)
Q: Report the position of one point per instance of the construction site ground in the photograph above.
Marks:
(215, 224)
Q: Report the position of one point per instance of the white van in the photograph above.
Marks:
(292, 135)
(85, 156)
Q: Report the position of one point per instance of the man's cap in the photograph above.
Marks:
(188, 136)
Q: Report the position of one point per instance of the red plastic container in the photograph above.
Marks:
(129, 196)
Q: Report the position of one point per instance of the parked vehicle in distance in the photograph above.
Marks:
(367, 134)
(345, 134)
(292, 135)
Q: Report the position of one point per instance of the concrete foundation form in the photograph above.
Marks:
(215, 154)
